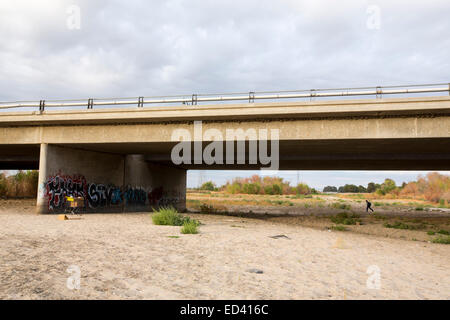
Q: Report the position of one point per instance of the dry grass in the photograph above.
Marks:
(21, 185)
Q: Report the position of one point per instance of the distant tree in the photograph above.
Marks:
(330, 189)
(371, 187)
(362, 189)
(303, 188)
(387, 186)
(349, 188)
(209, 186)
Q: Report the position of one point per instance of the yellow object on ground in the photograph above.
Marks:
(62, 217)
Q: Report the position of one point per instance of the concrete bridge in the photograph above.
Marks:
(120, 159)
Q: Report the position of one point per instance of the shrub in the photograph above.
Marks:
(378, 216)
(251, 188)
(205, 208)
(21, 185)
(168, 216)
(277, 189)
(268, 190)
(440, 239)
(303, 188)
(403, 226)
(190, 227)
(341, 206)
(338, 228)
(433, 187)
(209, 186)
(265, 185)
(330, 189)
(345, 218)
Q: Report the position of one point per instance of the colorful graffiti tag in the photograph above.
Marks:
(100, 195)
(58, 187)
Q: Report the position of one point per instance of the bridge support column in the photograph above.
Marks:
(41, 205)
(107, 182)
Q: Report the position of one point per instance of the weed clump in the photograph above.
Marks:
(442, 240)
(190, 227)
(338, 228)
(340, 206)
(346, 218)
(168, 216)
(403, 226)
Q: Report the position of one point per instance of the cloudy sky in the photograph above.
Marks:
(133, 48)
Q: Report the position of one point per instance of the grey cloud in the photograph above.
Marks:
(169, 47)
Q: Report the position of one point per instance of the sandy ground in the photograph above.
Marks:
(125, 256)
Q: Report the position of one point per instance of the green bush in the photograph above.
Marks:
(251, 188)
(189, 227)
(168, 216)
(340, 206)
(277, 189)
(346, 218)
(268, 190)
(338, 228)
(440, 239)
(303, 188)
(208, 186)
(377, 204)
(404, 226)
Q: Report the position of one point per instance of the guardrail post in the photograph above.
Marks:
(379, 93)
(140, 102)
(251, 97)
(41, 105)
(194, 99)
(313, 94)
(90, 104)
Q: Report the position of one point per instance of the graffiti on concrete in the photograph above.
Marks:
(99, 195)
(155, 196)
(59, 186)
(135, 196)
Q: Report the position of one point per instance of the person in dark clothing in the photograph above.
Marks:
(369, 205)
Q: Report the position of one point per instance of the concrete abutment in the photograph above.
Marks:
(107, 182)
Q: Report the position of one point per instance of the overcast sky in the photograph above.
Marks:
(134, 48)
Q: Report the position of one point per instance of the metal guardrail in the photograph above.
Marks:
(251, 96)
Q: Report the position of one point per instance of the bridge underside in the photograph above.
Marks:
(355, 154)
(121, 159)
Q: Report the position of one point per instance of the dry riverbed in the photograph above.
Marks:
(125, 256)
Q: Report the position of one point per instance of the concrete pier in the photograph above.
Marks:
(107, 182)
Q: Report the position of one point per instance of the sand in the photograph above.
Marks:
(125, 256)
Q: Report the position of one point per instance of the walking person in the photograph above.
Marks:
(369, 206)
